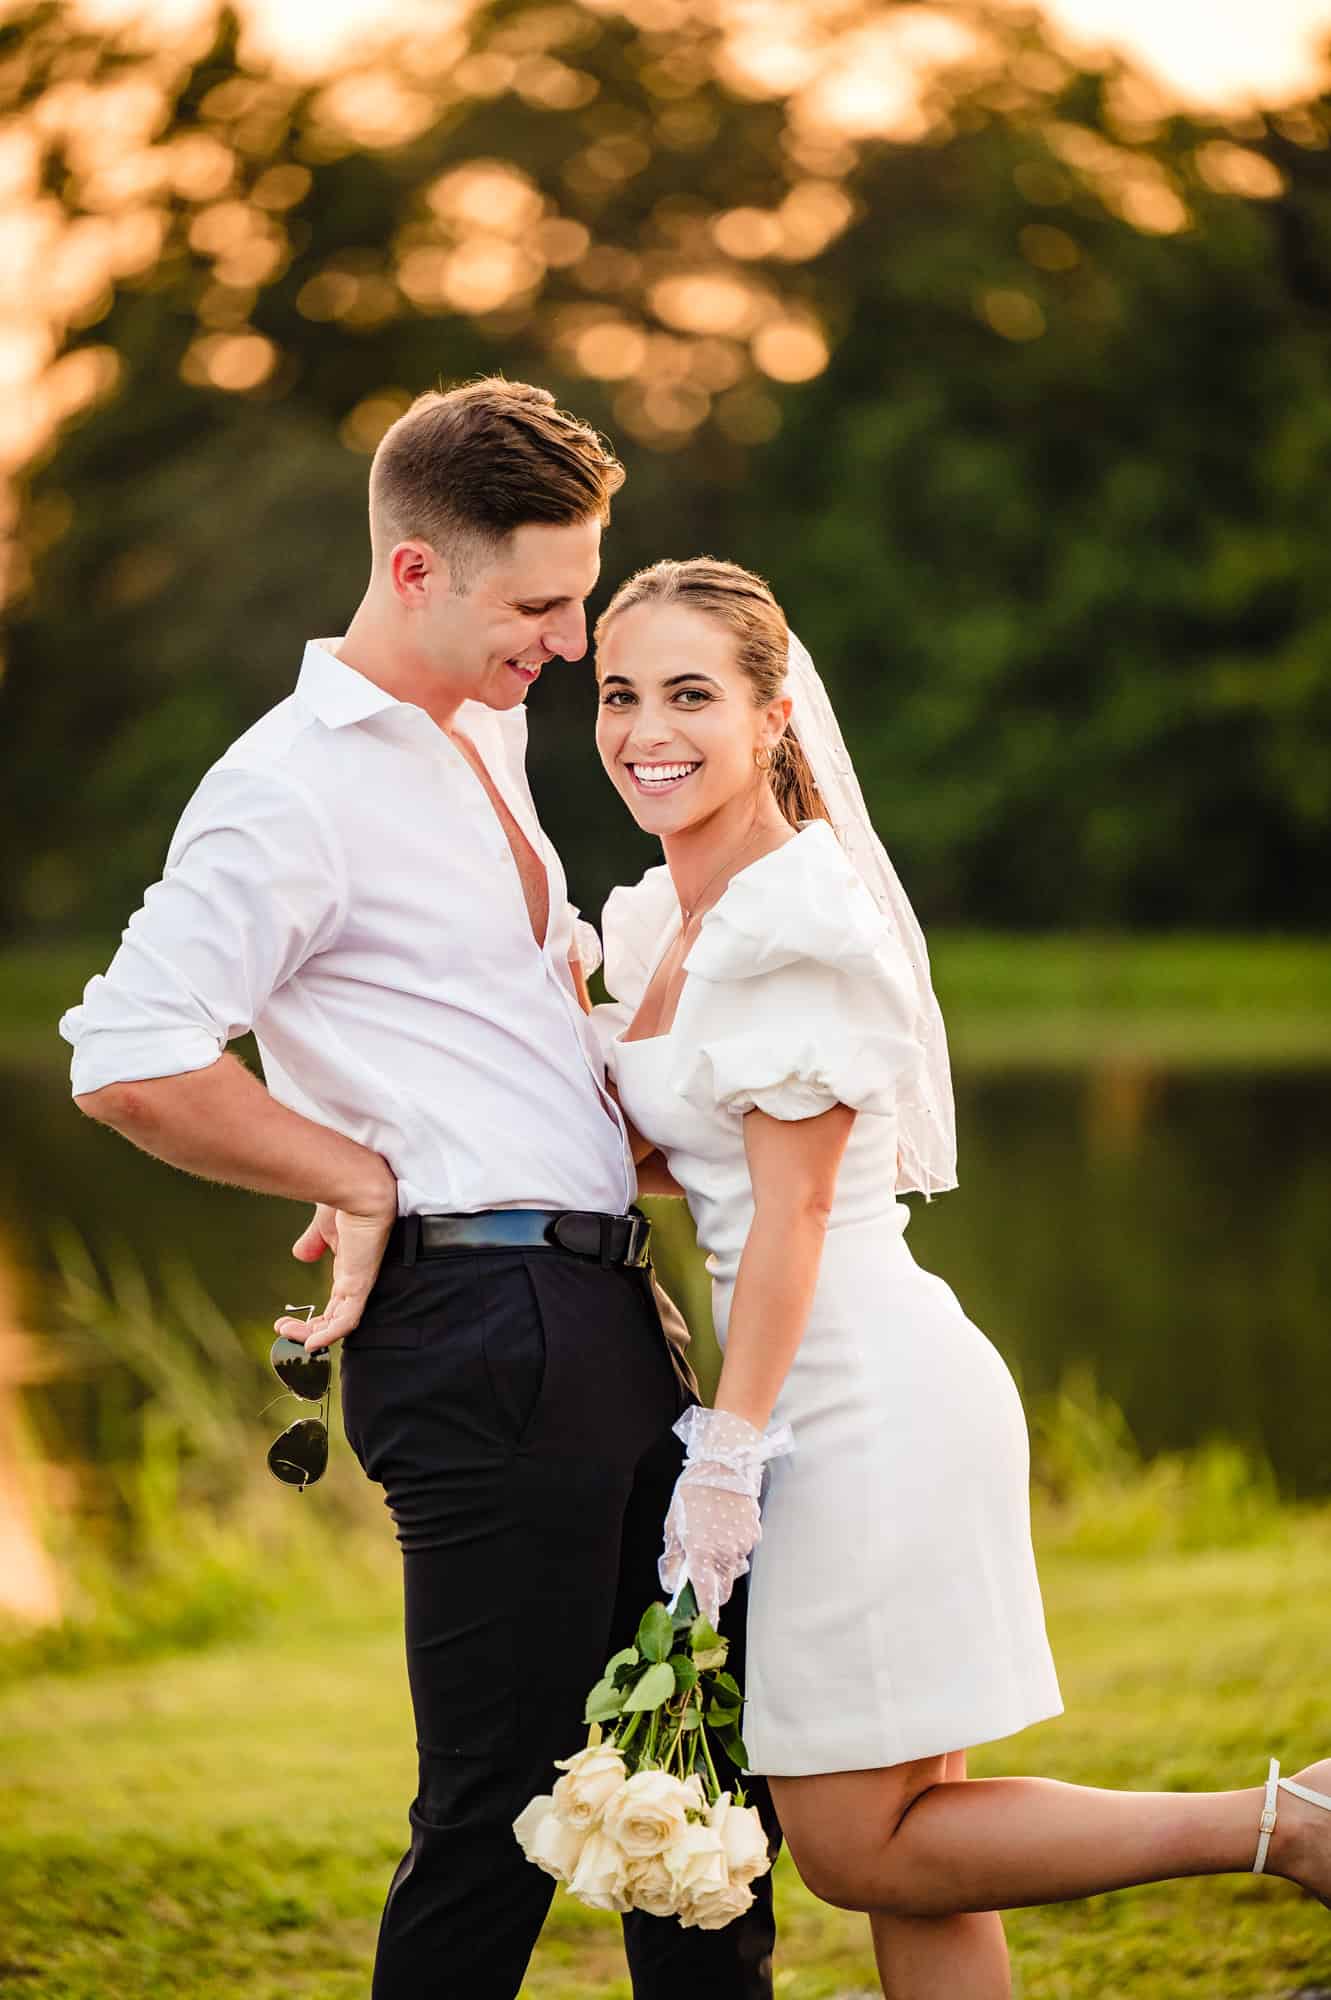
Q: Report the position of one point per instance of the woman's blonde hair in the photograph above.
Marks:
(744, 604)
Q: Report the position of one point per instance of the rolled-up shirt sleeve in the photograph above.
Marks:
(253, 887)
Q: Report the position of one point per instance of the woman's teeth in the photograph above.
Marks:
(657, 777)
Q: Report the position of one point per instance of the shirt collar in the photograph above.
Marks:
(338, 695)
(335, 692)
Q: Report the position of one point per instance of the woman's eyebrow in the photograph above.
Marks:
(676, 680)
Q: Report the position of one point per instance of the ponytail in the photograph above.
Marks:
(792, 782)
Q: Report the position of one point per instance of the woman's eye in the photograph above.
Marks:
(616, 698)
(693, 696)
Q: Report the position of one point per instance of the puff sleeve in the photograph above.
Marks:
(800, 998)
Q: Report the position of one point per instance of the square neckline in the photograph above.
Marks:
(624, 1040)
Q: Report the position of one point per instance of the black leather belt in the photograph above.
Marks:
(608, 1239)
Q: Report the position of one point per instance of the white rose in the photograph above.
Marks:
(647, 1815)
(651, 1887)
(742, 1839)
(600, 1877)
(547, 1840)
(713, 1909)
(696, 1859)
(594, 1775)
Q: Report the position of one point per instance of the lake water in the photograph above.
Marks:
(1168, 1230)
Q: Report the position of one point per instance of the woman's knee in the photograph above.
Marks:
(841, 1832)
(851, 1876)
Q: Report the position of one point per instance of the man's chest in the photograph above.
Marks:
(439, 869)
(530, 868)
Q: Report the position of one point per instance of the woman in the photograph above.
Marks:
(775, 1036)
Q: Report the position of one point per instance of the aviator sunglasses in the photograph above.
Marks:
(300, 1455)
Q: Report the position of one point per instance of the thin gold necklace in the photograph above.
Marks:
(689, 913)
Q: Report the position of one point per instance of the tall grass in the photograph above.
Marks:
(172, 1532)
(177, 1534)
(1094, 1495)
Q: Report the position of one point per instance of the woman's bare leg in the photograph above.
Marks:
(907, 1843)
(923, 1958)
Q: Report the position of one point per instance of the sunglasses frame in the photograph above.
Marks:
(312, 1430)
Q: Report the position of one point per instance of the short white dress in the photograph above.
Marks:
(894, 1607)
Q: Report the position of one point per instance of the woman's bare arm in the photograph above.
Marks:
(793, 1167)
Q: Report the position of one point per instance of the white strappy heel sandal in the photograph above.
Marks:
(1274, 1785)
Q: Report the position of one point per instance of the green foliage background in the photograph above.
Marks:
(1053, 517)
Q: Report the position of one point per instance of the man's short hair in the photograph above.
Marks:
(462, 468)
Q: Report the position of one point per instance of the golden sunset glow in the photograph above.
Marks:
(678, 327)
(1206, 51)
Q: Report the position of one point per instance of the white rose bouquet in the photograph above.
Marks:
(639, 1820)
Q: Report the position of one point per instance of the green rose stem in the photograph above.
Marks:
(621, 1743)
(711, 1768)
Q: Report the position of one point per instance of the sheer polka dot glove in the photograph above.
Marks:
(714, 1524)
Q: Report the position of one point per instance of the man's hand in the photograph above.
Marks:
(357, 1242)
(222, 1124)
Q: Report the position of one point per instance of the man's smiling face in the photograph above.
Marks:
(519, 609)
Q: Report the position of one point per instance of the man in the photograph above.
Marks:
(362, 880)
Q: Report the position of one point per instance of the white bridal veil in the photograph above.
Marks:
(927, 1136)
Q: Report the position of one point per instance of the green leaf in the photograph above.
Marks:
(727, 1684)
(655, 1633)
(722, 1715)
(709, 1648)
(733, 1744)
(627, 1658)
(603, 1703)
(690, 1719)
(686, 1674)
(686, 1611)
(656, 1686)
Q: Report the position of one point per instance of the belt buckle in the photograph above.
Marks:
(637, 1255)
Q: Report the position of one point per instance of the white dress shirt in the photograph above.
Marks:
(341, 884)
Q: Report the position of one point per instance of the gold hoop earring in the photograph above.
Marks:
(763, 758)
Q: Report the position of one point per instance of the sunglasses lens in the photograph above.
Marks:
(300, 1455)
(306, 1375)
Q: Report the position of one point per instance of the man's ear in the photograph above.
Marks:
(418, 571)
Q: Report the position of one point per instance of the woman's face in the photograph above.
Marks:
(676, 726)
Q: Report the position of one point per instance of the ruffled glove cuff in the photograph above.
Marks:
(732, 1450)
(714, 1522)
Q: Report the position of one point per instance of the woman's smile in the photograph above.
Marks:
(657, 778)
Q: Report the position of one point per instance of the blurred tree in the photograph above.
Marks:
(1016, 386)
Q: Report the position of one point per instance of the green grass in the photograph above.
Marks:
(204, 1773)
(228, 1821)
(1181, 1001)
(1063, 999)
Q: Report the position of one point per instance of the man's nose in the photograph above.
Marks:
(568, 638)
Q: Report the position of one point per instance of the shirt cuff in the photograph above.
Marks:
(107, 1055)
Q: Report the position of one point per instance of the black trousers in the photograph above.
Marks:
(516, 1406)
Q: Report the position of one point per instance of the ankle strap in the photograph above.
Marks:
(1275, 1784)
(1268, 1818)
(1322, 1799)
